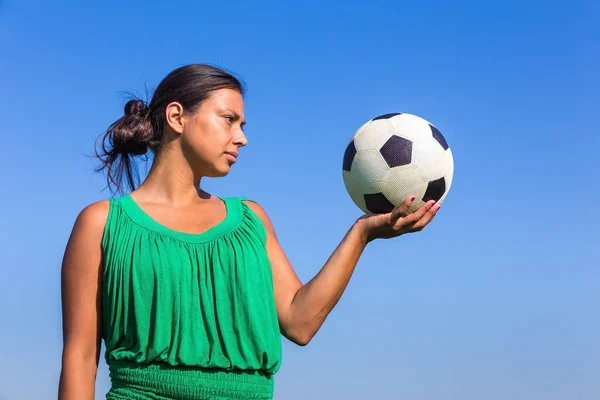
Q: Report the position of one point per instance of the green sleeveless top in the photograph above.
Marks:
(189, 300)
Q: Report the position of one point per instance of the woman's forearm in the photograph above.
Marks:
(314, 301)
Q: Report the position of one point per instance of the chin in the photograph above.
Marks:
(216, 169)
(220, 171)
(222, 174)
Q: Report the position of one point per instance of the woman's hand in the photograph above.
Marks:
(397, 222)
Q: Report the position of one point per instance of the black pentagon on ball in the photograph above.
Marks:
(386, 116)
(397, 151)
(435, 190)
(377, 203)
(437, 135)
(349, 156)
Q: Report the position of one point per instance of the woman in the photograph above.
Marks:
(190, 291)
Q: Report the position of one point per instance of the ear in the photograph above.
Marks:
(174, 117)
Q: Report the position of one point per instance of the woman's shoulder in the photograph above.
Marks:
(254, 206)
(258, 210)
(94, 215)
(248, 202)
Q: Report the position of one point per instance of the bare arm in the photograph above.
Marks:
(81, 278)
(302, 309)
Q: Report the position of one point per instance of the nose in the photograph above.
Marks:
(240, 138)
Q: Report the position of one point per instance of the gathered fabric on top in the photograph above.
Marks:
(192, 300)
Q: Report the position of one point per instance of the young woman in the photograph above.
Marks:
(191, 291)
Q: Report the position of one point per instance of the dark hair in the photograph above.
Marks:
(141, 128)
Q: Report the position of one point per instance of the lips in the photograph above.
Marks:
(231, 155)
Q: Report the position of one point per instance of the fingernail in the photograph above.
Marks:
(412, 198)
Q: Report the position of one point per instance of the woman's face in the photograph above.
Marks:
(212, 136)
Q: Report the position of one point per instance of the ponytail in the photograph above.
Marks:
(129, 136)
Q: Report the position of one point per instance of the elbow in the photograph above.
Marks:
(81, 361)
(301, 330)
(302, 341)
(77, 375)
(301, 337)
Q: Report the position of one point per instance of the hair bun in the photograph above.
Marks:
(136, 107)
(132, 133)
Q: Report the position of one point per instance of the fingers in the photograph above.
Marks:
(402, 211)
(426, 218)
(412, 219)
(417, 215)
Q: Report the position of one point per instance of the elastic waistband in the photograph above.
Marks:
(186, 383)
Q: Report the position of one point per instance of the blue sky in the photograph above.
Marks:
(497, 299)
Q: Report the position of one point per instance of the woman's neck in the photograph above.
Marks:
(171, 180)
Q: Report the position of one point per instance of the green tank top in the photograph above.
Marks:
(189, 300)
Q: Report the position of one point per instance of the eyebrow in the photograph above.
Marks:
(236, 116)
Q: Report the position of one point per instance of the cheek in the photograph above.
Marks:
(206, 142)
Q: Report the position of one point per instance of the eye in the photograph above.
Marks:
(229, 118)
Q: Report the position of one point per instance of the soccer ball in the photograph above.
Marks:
(394, 156)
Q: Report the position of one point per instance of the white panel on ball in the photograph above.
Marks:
(409, 126)
(370, 168)
(429, 157)
(403, 182)
(449, 165)
(369, 172)
(373, 135)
